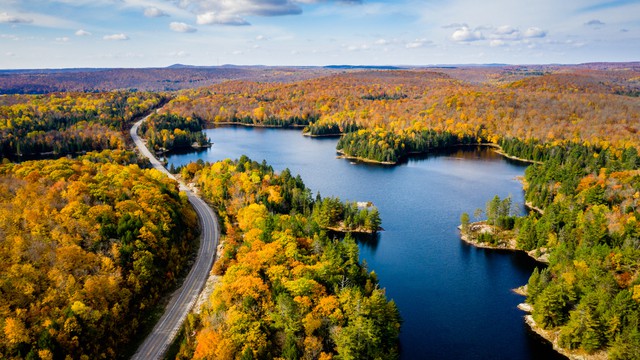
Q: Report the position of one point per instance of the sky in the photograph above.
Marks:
(158, 33)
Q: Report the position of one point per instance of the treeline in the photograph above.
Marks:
(167, 132)
(88, 247)
(590, 227)
(331, 213)
(390, 147)
(260, 119)
(329, 128)
(286, 289)
(70, 122)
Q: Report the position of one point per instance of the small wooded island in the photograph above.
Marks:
(497, 231)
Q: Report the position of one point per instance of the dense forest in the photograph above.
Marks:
(587, 224)
(87, 249)
(170, 78)
(168, 132)
(590, 291)
(579, 106)
(69, 123)
(287, 290)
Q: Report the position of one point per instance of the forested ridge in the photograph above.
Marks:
(287, 289)
(87, 249)
(69, 123)
(579, 106)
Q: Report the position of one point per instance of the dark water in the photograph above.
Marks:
(455, 300)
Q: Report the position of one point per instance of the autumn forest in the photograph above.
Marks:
(93, 240)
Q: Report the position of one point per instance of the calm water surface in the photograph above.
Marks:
(455, 300)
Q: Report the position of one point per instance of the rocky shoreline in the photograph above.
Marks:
(553, 335)
(550, 335)
(539, 255)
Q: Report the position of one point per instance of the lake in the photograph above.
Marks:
(455, 300)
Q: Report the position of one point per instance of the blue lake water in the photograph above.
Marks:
(455, 300)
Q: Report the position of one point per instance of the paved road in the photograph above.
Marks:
(163, 334)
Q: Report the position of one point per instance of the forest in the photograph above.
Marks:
(590, 291)
(286, 288)
(69, 123)
(88, 247)
(168, 132)
(582, 106)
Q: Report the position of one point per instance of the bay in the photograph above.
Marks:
(456, 301)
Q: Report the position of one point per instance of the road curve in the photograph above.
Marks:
(165, 331)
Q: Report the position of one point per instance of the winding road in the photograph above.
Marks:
(165, 331)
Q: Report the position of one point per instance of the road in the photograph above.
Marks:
(165, 331)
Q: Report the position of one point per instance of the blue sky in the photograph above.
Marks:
(149, 33)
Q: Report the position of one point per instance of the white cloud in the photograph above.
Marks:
(82, 32)
(465, 34)
(497, 43)
(212, 18)
(261, 38)
(418, 43)
(534, 32)
(506, 30)
(182, 27)
(228, 12)
(12, 19)
(62, 39)
(154, 12)
(10, 54)
(118, 37)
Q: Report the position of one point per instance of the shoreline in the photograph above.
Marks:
(552, 336)
(543, 258)
(232, 123)
(322, 135)
(494, 147)
(529, 205)
(355, 231)
(364, 160)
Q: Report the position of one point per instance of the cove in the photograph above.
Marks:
(455, 300)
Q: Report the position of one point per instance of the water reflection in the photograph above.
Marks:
(456, 301)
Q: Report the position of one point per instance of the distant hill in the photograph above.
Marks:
(174, 77)
(364, 67)
(182, 76)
